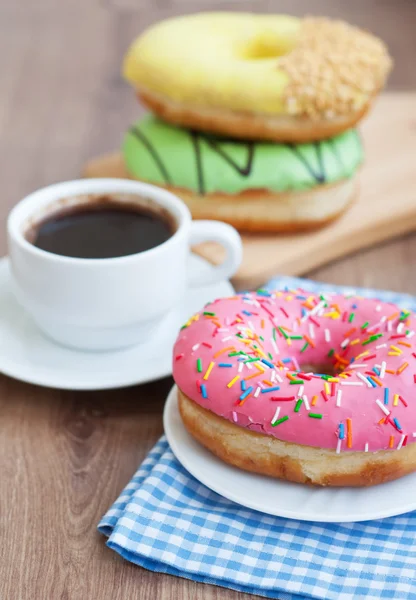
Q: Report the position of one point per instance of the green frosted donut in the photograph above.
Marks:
(166, 155)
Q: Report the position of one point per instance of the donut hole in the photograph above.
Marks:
(267, 45)
(319, 368)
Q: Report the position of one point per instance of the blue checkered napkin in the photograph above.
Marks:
(166, 521)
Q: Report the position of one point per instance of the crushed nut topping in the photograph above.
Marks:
(333, 70)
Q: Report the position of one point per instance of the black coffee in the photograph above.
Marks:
(102, 228)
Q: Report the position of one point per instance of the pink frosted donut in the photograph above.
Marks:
(310, 388)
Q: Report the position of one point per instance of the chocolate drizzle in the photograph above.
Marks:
(199, 170)
(153, 152)
(245, 171)
(319, 176)
(197, 137)
(318, 173)
(318, 148)
(335, 152)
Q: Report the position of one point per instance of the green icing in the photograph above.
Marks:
(164, 154)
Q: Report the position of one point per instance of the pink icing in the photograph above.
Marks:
(334, 330)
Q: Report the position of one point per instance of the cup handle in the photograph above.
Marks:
(228, 237)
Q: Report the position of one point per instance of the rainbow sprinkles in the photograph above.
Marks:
(328, 371)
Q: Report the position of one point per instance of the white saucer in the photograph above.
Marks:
(281, 498)
(27, 355)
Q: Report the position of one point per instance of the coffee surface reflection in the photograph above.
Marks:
(103, 228)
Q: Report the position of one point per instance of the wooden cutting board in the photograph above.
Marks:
(386, 205)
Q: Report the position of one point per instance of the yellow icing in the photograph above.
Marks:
(226, 60)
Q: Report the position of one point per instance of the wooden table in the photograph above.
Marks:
(65, 456)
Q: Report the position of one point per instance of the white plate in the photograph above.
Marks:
(281, 498)
(27, 355)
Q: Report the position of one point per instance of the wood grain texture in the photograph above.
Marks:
(64, 457)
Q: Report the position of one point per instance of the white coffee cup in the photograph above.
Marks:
(110, 303)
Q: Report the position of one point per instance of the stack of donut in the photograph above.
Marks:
(253, 115)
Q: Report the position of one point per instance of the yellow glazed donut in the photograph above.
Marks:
(271, 77)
